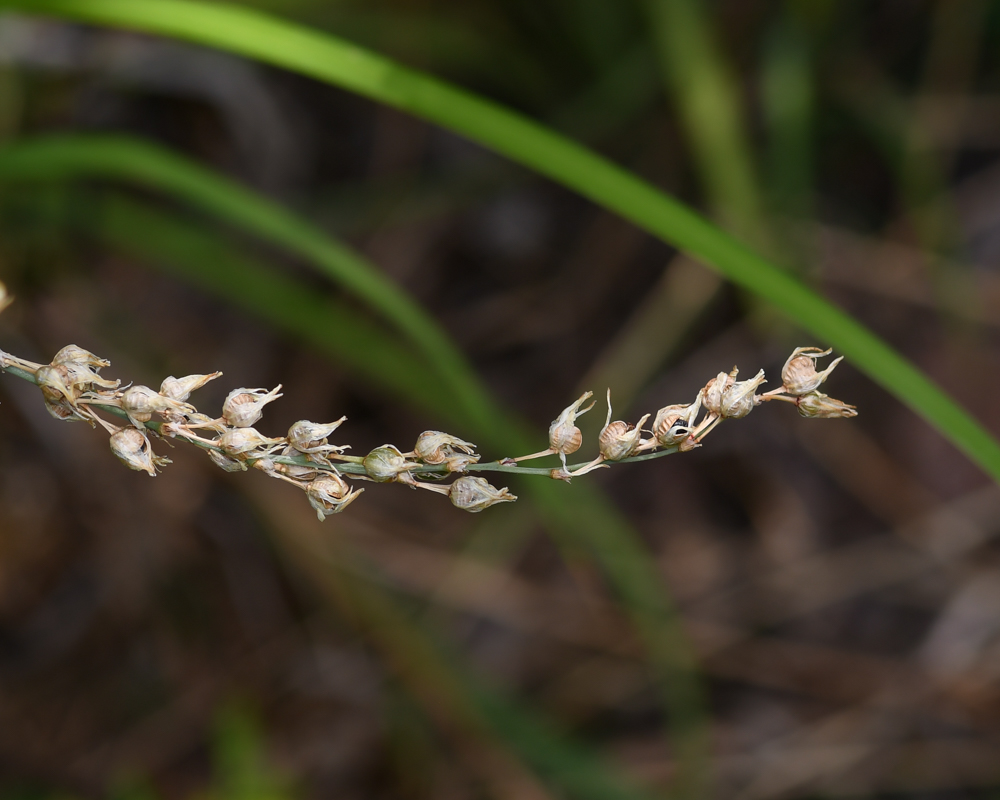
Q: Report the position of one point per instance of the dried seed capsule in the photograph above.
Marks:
(474, 494)
(711, 395)
(330, 494)
(59, 394)
(244, 441)
(673, 424)
(56, 384)
(435, 447)
(619, 440)
(311, 437)
(181, 388)
(564, 437)
(134, 450)
(739, 399)
(73, 354)
(223, 461)
(243, 407)
(141, 402)
(386, 463)
(725, 398)
(799, 375)
(819, 406)
(84, 379)
(460, 462)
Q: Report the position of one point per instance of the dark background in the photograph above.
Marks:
(202, 635)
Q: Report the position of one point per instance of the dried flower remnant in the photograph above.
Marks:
(61, 394)
(475, 494)
(238, 442)
(74, 354)
(244, 407)
(740, 398)
(673, 424)
(435, 447)
(330, 494)
(619, 440)
(310, 439)
(564, 437)
(799, 375)
(820, 406)
(726, 398)
(182, 388)
(711, 395)
(132, 447)
(141, 402)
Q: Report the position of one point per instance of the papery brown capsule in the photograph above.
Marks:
(141, 402)
(564, 437)
(672, 424)
(711, 395)
(460, 462)
(619, 440)
(132, 447)
(73, 354)
(245, 441)
(84, 379)
(310, 437)
(192, 422)
(181, 388)
(474, 494)
(799, 375)
(243, 407)
(740, 398)
(55, 383)
(59, 394)
(330, 494)
(435, 447)
(819, 406)
(386, 463)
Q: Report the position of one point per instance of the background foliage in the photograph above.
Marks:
(798, 609)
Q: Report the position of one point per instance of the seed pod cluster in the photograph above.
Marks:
(73, 389)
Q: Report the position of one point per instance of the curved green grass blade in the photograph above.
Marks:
(582, 519)
(63, 158)
(202, 258)
(207, 261)
(326, 58)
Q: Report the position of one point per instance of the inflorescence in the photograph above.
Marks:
(73, 389)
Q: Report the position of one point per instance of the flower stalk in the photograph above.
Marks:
(72, 389)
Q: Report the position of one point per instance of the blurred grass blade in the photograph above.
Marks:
(209, 262)
(580, 520)
(324, 57)
(787, 96)
(61, 158)
(710, 107)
